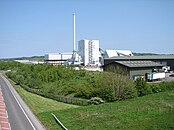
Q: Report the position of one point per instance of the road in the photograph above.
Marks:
(4, 123)
(19, 115)
(169, 77)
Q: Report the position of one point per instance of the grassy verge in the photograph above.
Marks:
(39, 105)
(155, 111)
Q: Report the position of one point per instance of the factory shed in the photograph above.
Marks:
(166, 60)
(132, 69)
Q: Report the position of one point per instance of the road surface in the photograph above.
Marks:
(4, 123)
(19, 115)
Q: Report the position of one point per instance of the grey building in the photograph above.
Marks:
(165, 60)
(132, 69)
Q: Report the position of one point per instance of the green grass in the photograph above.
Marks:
(152, 112)
(40, 104)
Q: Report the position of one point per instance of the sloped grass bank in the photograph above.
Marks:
(150, 112)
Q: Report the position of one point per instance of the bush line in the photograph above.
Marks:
(74, 101)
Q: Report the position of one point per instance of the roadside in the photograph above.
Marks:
(4, 122)
(169, 76)
(35, 123)
(40, 105)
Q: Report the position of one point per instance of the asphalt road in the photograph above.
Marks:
(19, 115)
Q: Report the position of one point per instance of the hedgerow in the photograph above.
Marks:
(144, 88)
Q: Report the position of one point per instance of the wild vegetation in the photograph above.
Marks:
(66, 84)
(65, 81)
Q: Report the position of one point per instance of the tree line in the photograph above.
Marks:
(68, 82)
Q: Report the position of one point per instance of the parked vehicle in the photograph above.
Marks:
(155, 76)
(166, 68)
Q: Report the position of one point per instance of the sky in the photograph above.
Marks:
(38, 27)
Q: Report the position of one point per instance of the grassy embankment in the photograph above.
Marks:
(40, 105)
(154, 111)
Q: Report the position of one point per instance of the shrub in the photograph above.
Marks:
(19, 79)
(107, 94)
(96, 101)
(124, 88)
(167, 85)
(116, 87)
(142, 87)
(155, 88)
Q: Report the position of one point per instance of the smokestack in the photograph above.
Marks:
(74, 33)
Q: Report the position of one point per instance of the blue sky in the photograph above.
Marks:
(37, 27)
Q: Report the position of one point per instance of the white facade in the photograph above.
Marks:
(57, 58)
(89, 52)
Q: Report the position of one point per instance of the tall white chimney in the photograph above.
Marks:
(74, 33)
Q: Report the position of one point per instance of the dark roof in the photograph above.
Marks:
(143, 57)
(132, 64)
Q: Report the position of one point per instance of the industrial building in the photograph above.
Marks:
(89, 52)
(132, 69)
(137, 66)
(57, 58)
(87, 55)
(165, 60)
(90, 55)
(113, 53)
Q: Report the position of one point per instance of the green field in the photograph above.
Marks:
(150, 112)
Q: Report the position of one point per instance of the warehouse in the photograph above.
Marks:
(165, 60)
(132, 69)
(57, 58)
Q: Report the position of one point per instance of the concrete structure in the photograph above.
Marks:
(132, 69)
(57, 58)
(113, 53)
(89, 52)
(165, 60)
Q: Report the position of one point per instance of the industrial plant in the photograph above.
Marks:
(87, 54)
(90, 56)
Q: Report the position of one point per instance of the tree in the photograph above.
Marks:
(142, 87)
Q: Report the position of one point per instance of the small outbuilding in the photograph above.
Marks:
(133, 69)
